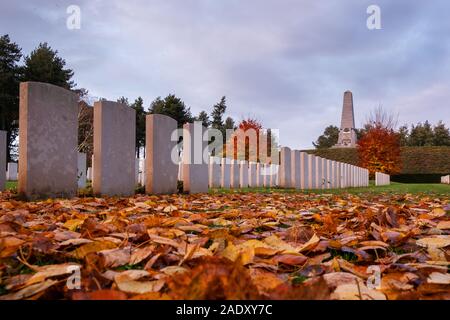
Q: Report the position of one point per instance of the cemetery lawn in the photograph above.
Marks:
(277, 244)
(394, 187)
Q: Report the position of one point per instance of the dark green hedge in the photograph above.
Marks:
(416, 161)
(417, 178)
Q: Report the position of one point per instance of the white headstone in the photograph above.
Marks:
(312, 172)
(234, 174)
(12, 171)
(259, 176)
(214, 172)
(195, 167)
(319, 172)
(243, 174)
(81, 170)
(252, 175)
(285, 168)
(225, 176)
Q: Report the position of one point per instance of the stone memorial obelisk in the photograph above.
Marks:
(347, 133)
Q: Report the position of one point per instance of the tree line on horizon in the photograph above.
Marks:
(417, 135)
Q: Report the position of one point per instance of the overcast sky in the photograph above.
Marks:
(285, 62)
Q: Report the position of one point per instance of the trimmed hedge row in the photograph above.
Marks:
(416, 161)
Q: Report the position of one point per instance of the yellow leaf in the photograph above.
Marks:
(95, 246)
(437, 212)
(73, 224)
(277, 243)
(311, 244)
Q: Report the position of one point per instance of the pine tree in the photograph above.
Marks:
(441, 135)
(328, 139)
(10, 74)
(204, 118)
(173, 107)
(44, 65)
(138, 106)
(217, 114)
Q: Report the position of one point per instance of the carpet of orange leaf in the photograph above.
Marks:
(231, 246)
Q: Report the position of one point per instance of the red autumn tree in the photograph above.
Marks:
(379, 147)
(249, 131)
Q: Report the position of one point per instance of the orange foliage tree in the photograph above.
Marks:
(379, 150)
(245, 125)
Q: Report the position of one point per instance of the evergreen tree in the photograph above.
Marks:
(328, 139)
(10, 73)
(173, 107)
(421, 135)
(441, 135)
(217, 114)
(204, 118)
(138, 106)
(44, 65)
(124, 101)
(229, 124)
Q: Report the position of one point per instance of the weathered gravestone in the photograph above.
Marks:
(266, 172)
(234, 174)
(295, 169)
(225, 173)
(12, 171)
(259, 174)
(214, 172)
(161, 168)
(195, 167)
(285, 167)
(81, 175)
(48, 134)
(2, 160)
(312, 172)
(319, 172)
(304, 171)
(252, 178)
(114, 149)
(243, 174)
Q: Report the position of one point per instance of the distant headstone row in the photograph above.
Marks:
(297, 170)
(51, 166)
(382, 179)
(445, 179)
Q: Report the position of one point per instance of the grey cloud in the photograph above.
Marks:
(286, 63)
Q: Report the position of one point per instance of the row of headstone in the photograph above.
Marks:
(229, 173)
(300, 170)
(297, 170)
(382, 179)
(50, 166)
(445, 179)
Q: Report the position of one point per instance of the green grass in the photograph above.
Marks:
(399, 188)
(394, 187)
(11, 185)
